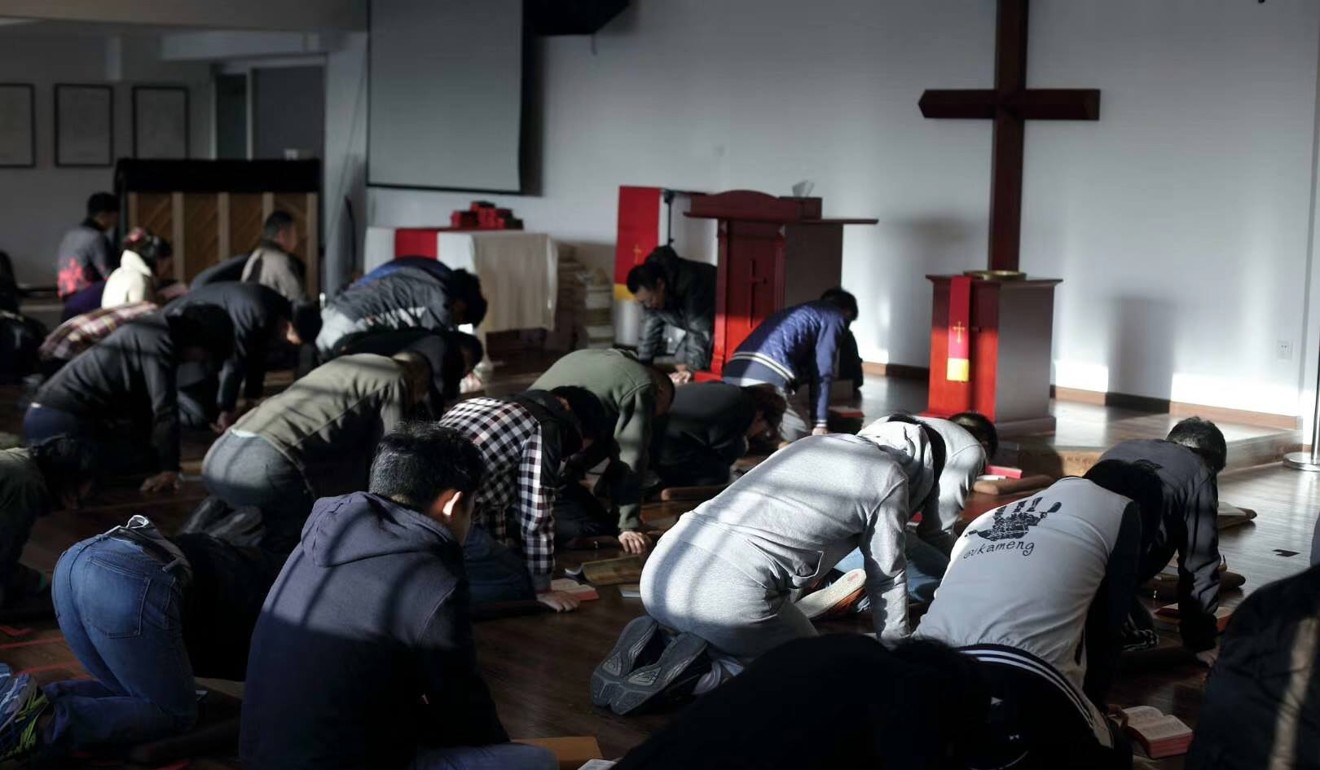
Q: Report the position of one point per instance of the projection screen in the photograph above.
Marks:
(445, 94)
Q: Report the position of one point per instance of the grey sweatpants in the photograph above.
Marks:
(693, 590)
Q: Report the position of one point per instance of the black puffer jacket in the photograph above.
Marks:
(1262, 703)
(689, 305)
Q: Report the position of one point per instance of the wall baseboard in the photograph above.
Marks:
(1176, 408)
(1121, 400)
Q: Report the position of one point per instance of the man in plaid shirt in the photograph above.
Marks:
(510, 553)
(83, 331)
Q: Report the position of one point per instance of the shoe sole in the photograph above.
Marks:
(645, 683)
(837, 597)
(622, 659)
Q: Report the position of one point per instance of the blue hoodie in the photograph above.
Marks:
(363, 652)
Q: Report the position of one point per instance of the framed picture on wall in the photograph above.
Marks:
(84, 125)
(160, 122)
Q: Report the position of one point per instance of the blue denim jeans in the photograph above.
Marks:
(495, 572)
(501, 756)
(120, 612)
(925, 568)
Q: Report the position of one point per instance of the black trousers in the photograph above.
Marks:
(579, 514)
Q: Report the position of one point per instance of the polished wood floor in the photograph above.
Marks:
(539, 666)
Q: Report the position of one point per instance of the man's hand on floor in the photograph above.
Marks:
(559, 601)
(166, 481)
(1208, 657)
(634, 542)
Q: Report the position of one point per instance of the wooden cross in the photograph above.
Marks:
(1010, 104)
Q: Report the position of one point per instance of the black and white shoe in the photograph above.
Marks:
(673, 677)
(630, 651)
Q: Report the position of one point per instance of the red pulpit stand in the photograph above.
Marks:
(1011, 334)
(773, 253)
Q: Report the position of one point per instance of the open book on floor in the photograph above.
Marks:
(1160, 734)
(581, 591)
(572, 752)
(610, 572)
(1167, 617)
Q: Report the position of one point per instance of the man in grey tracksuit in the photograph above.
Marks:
(730, 571)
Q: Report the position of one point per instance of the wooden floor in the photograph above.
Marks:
(539, 666)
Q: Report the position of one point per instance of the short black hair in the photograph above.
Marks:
(981, 429)
(968, 699)
(844, 300)
(469, 344)
(102, 203)
(1134, 480)
(65, 462)
(419, 461)
(306, 320)
(591, 415)
(276, 223)
(467, 287)
(644, 276)
(150, 247)
(1204, 438)
(205, 326)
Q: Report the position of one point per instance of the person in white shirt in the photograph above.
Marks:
(146, 259)
(1037, 591)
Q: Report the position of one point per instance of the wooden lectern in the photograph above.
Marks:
(773, 253)
(1010, 335)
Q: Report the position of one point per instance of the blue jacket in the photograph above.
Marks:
(797, 346)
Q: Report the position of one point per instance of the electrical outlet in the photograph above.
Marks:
(1285, 350)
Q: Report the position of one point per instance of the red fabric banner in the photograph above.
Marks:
(639, 229)
(960, 330)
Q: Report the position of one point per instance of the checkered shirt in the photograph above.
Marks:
(83, 331)
(509, 438)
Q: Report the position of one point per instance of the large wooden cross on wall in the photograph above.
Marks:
(1010, 104)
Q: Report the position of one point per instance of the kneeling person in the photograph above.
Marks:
(1037, 591)
(145, 615)
(708, 429)
(363, 655)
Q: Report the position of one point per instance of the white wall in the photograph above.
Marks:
(345, 156)
(1180, 221)
(37, 205)
(229, 14)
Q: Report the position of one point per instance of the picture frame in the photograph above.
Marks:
(18, 125)
(84, 125)
(160, 122)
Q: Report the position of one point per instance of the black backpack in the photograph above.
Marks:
(20, 338)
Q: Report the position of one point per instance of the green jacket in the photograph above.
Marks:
(23, 495)
(627, 390)
(329, 422)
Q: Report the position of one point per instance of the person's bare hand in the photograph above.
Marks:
(559, 601)
(821, 431)
(681, 377)
(165, 481)
(634, 542)
(1208, 657)
(225, 421)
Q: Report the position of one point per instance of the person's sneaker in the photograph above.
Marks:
(21, 702)
(640, 643)
(838, 598)
(1138, 639)
(676, 673)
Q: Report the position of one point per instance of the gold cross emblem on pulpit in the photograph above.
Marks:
(958, 330)
(637, 252)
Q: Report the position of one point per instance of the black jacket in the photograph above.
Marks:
(229, 270)
(1262, 702)
(255, 310)
(704, 434)
(408, 295)
(130, 376)
(873, 710)
(363, 652)
(1187, 526)
(222, 603)
(689, 305)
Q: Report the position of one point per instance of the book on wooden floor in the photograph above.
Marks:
(572, 752)
(630, 590)
(611, 572)
(1232, 516)
(1003, 471)
(581, 591)
(1167, 618)
(598, 764)
(1160, 735)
